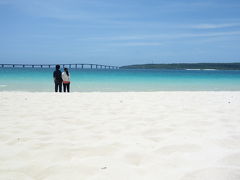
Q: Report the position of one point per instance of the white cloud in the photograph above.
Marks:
(137, 44)
(215, 26)
(118, 38)
(162, 36)
(62, 10)
(195, 5)
(214, 34)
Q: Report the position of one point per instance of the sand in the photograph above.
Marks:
(120, 136)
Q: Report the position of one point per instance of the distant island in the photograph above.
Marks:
(186, 66)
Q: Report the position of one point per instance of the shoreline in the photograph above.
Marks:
(166, 91)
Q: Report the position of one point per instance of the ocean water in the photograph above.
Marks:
(106, 80)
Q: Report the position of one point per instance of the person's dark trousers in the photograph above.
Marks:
(66, 86)
(58, 86)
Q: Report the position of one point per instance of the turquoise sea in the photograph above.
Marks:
(104, 80)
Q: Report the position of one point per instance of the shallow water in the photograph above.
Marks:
(104, 80)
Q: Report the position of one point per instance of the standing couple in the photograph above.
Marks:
(61, 79)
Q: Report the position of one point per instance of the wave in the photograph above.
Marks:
(201, 69)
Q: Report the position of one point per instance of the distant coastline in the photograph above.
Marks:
(186, 66)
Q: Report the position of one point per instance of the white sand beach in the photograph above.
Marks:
(120, 136)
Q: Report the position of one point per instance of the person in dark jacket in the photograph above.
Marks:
(57, 75)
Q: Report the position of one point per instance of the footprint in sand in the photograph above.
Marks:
(214, 174)
(7, 175)
(134, 158)
(97, 151)
(156, 131)
(178, 149)
(67, 172)
(155, 139)
(228, 143)
(231, 160)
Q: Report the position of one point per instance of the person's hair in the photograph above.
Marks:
(57, 67)
(66, 70)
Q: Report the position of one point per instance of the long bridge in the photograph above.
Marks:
(82, 66)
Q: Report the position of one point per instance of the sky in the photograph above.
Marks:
(119, 32)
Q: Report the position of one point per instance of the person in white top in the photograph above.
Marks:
(66, 80)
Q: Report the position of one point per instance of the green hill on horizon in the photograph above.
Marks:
(179, 66)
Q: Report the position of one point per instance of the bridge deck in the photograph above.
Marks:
(82, 66)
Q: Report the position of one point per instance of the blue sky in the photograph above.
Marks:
(119, 32)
